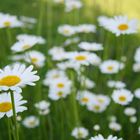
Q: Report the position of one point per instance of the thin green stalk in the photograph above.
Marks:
(14, 116)
(42, 8)
(9, 129)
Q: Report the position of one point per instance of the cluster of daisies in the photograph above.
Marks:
(69, 67)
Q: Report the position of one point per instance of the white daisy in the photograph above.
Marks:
(111, 66)
(84, 58)
(90, 46)
(116, 84)
(80, 133)
(6, 104)
(43, 107)
(122, 96)
(86, 28)
(24, 37)
(66, 30)
(110, 137)
(35, 57)
(9, 21)
(16, 76)
(121, 25)
(31, 122)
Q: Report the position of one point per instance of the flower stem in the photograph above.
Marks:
(14, 116)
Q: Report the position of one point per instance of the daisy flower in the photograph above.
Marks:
(24, 37)
(111, 66)
(122, 96)
(35, 57)
(59, 88)
(72, 4)
(80, 133)
(66, 30)
(6, 104)
(87, 46)
(85, 97)
(116, 84)
(122, 25)
(23, 45)
(110, 137)
(137, 93)
(9, 21)
(115, 126)
(43, 107)
(16, 76)
(31, 122)
(130, 111)
(84, 58)
(86, 28)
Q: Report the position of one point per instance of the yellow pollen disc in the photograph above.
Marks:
(123, 27)
(10, 80)
(80, 134)
(34, 60)
(5, 106)
(32, 123)
(7, 24)
(80, 57)
(110, 68)
(60, 94)
(122, 98)
(101, 100)
(26, 47)
(96, 107)
(60, 85)
(85, 100)
(66, 31)
(56, 76)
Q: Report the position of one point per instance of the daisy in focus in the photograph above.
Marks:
(16, 76)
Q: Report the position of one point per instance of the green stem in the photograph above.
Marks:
(14, 116)
(9, 129)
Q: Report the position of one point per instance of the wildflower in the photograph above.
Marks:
(80, 133)
(31, 122)
(111, 66)
(122, 96)
(14, 77)
(6, 104)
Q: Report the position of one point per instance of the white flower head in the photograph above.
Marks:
(6, 104)
(122, 96)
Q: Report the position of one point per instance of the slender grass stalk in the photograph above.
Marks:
(14, 116)
(41, 14)
(9, 129)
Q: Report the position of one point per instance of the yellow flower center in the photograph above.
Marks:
(66, 31)
(123, 27)
(34, 60)
(7, 23)
(80, 57)
(97, 107)
(26, 47)
(10, 80)
(122, 98)
(110, 68)
(5, 106)
(101, 100)
(85, 100)
(60, 94)
(60, 85)
(80, 134)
